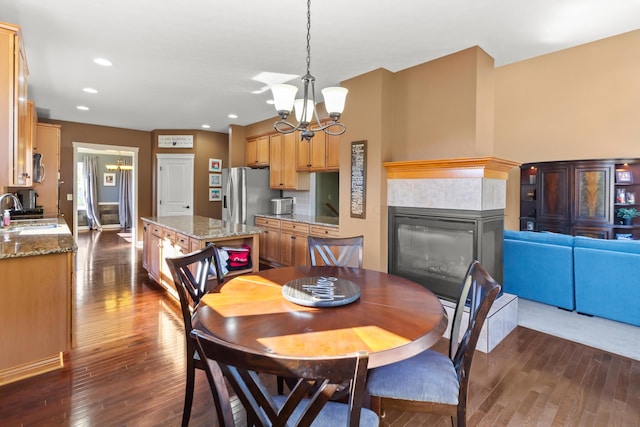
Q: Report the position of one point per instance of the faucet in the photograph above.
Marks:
(16, 202)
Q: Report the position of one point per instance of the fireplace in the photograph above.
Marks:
(434, 247)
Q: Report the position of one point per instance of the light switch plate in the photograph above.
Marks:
(69, 197)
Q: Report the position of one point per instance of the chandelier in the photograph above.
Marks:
(305, 107)
(119, 167)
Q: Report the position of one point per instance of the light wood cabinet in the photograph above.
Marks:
(47, 143)
(323, 231)
(269, 239)
(285, 242)
(36, 308)
(282, 168)
(333, 152)
(257, 152)
(15, 138)
(321, 154)
(294, 248)
(161, 242)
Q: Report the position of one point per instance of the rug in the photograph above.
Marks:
(125, 236)
(614, 337)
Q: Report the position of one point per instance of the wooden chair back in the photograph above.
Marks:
(193, 277)
(338, 251)
(192, 274)
(478, 293)
(317, 380)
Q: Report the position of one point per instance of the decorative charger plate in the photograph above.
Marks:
(321, 291)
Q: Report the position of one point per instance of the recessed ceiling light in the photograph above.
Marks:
(270, 101)
(82, 107)
(89, 90)
(206, 126)
(102, 61)
(233, 116)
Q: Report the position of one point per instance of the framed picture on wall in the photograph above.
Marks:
(215, 165)
(215, 180)
(109, 179)
(215, 194)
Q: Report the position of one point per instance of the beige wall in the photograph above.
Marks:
(368, 104)
(237, 146)
(579, 103)
(441, 108)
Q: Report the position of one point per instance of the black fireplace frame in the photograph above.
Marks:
(487, 227)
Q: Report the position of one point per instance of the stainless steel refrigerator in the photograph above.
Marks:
(245, 192)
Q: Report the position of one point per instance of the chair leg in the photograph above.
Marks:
(188, 393)
(375, 404)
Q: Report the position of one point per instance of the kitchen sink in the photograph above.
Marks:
(36, 226)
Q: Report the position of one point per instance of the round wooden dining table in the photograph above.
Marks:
(393, 318)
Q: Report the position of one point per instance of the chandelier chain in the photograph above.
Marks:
(308, 36)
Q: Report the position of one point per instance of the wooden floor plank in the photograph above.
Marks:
(128, 366)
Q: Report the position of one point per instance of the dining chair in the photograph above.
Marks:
(309, 401)
(349, 254)
(192, 277)
(338, 251)
(431, 381)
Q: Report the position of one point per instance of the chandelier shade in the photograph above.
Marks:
(305, 107)
(283, 96)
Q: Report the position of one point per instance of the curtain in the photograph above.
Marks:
(90, 164)
(125, 198)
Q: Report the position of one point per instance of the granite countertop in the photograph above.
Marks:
(203, 228)
(36, 237)
(327, 221)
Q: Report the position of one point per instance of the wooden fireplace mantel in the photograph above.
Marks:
(467, 167)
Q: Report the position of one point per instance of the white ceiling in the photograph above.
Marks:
(178, 64)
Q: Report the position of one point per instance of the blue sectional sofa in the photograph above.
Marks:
(593, 276)
(607, 278)
(539, 267)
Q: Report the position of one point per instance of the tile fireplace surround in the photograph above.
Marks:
(477, 184)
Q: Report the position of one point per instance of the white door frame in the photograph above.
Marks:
(165, 156)
(107, 149)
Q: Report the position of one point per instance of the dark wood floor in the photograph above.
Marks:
(128, 366)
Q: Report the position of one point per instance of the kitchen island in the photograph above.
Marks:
(169, 236)
(37, 260)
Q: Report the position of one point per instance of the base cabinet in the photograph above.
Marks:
(286, 241)
(294, 246)
(35, 314)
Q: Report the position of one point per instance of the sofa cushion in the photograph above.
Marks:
(540, 237)
(539, 267)
(607, 277)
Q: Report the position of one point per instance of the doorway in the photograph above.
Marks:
(124, 152)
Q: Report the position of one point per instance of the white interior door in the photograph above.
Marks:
(175, 184)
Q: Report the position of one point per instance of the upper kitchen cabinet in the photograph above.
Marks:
(282, 168)
(321, 154)
(47, 145)
(257, 152)
(15, 122)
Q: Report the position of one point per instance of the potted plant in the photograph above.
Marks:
(627, 214)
